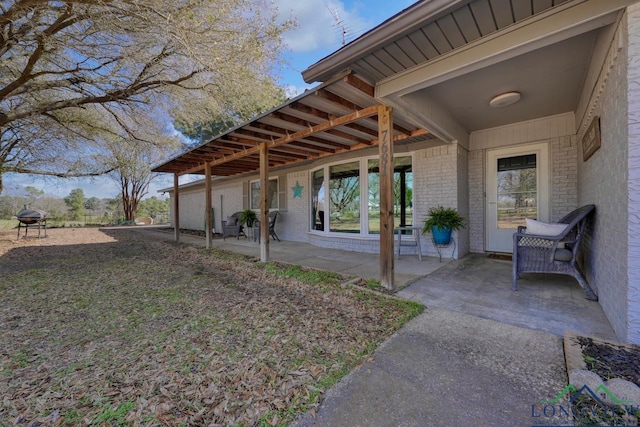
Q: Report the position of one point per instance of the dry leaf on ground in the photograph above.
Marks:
(112, 326)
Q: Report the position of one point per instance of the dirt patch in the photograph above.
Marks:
(55, 237)
(610, 360)
(114, 328)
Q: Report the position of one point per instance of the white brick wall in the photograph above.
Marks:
(602, 180)
(231, 201)
(356, 244)
(192, 210)
(633, 162)
(293, 224)
(192, 205)
(564, 176)
(435, 181)
(463, 199)
(476, 220)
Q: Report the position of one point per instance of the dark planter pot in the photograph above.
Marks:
(441, 236)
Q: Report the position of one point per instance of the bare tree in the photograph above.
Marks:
(131, 162)
(72, 72)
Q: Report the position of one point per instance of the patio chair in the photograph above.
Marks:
(552, 251)
(273, 216)
(232, 226)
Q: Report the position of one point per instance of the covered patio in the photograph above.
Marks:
(341, 115)
(429, 84)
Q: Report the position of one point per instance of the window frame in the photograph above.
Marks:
(363, 163)
(277, 194)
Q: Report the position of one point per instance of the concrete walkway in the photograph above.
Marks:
(446, 368)
(480, 354)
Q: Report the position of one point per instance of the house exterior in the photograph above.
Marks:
(497, 106)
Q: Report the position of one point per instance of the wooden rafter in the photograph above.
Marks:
(359, 84)
(334, 118)
(307, 111)
(332, 97)
(322, 127)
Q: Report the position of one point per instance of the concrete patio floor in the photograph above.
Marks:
(408, 268)
(474, 285)
(480, 286)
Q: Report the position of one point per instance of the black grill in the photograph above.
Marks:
(32, 218)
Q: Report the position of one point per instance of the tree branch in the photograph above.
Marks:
(125, 94)
(64, 20)
(56, 174)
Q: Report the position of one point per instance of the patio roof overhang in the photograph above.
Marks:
(336, 117)
(339, 116)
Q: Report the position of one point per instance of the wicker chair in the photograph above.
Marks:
(235, 229)
(534, 253)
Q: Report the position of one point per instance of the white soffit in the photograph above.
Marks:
(423, 32)
(546, 28)
(549, 80)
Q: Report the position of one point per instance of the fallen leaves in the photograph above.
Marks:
(120, 328)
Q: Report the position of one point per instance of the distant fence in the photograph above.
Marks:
(85, 221)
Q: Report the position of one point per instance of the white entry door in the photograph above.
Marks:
(517, 188)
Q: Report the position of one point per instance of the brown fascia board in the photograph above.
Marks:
(401, 24)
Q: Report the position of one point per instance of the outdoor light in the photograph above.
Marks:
(505, 99)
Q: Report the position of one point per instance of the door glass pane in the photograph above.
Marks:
(402, 193)
(344, 197)
(317, 200)
(373, 181)
(517, 190)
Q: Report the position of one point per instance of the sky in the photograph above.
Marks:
(318, 33)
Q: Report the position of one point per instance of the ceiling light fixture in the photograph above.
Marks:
(505, 99)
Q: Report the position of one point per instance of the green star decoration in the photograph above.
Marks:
(297, 190)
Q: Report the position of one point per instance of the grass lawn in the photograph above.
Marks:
(115, 328)
(6, 224)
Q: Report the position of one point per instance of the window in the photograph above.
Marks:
(317, 200)
(517, 192)
(336, 205)
(344, 197)
(272, 194)
(402, 193)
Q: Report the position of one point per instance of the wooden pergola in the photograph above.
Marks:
(339, 116)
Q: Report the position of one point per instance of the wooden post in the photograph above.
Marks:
(264, 206)
(385, 136)
(176, 209)
(208, 202)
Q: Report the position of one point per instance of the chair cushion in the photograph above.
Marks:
(544, 229)
(231, 221)
(563, 255)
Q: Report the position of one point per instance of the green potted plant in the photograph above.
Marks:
(441, 222)
(248, 217)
